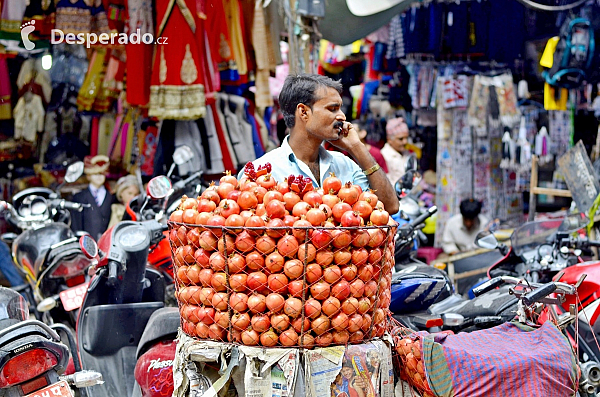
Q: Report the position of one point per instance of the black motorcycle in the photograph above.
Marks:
(47, 252)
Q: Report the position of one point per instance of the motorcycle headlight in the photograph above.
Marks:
(133, 236)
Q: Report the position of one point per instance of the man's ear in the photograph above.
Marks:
(302, 111)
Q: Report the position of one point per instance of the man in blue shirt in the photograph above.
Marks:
(311, 106)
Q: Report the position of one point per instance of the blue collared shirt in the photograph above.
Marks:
(284, 163)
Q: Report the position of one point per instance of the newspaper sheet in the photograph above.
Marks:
(322, 368)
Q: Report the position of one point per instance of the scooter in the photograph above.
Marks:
(47, 251)
(122, 295)
(142, 207)
(32, 357)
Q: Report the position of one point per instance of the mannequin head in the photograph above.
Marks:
(96, 180)
(127, 188)
(95, 169)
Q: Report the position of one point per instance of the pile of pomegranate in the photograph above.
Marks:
(261, 262)
(413, 370)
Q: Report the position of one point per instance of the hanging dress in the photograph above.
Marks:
(177, 89)
(139, 56)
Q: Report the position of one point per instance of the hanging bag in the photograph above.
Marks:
(569, 57)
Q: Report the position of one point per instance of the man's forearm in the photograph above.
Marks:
(377, 180)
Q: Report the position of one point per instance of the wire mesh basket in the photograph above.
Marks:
(283, 286)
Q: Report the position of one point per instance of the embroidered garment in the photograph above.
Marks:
(11, 18)
(92, 84)
(219, 40)
(177, 90)
(43, 12)
(33, 72)
(29, 117)
(139, 56)
(81, 16)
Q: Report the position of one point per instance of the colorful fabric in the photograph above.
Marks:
(5, 91)
(177, 90)
(11, 18)
(139, 56)
(395, 44)
(507, 360)
(81, 16)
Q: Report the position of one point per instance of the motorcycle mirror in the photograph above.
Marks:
(573, 222)
(9, 238)
(159, 187)
(47, 304)
(182, 155)
(486, 239)
(88, 246)
(411, 163)
(74, 171)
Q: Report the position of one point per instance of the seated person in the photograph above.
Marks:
(461, 229)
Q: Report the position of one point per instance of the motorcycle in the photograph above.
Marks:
(47, 252)
(32, 356)
(115, 320)
(551, 250)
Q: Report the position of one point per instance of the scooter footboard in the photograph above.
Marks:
(108, 336)
(107, 328)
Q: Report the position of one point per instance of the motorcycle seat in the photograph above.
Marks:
(497, 302)
(162, 324)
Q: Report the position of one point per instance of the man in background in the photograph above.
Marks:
(375, 152)
(461, 229)
(394, 151)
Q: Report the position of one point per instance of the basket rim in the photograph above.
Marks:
(173, 223)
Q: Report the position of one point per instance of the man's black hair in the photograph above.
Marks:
(302, 88)
(470, 208)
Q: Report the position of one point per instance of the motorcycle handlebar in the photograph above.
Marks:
(539, 293)
(112, 273)
(423, 217)
(488, 286)
(69, 205)
(182, 183)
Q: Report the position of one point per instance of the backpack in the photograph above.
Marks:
(569, 56)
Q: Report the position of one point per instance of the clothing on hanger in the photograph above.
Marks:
(29, 115)
(177, 84)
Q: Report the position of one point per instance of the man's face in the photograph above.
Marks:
(469, 223)
(347, 372)
(399, 139)
(326, 116)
